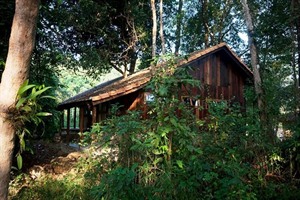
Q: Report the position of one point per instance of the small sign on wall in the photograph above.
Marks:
(149, 97)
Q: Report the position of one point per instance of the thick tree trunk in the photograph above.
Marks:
(178, 27)
(162, 38)
(154, 28)
(21, 45)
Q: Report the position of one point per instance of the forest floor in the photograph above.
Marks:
(48, 159)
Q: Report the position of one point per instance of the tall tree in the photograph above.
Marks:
(97, 35)
(161, 23)
(296, 15)
(204, 17)
(154, 28)
(295, 5)
(253, 52)
(21, 45)
(211, 22)
(179, 18)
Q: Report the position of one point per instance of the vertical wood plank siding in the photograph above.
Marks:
(220, 79)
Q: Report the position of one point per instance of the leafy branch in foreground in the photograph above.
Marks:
(28, 111)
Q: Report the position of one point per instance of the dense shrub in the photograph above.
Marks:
(173, 155)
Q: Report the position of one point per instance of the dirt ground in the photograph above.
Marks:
(55, 159)
(49, 157)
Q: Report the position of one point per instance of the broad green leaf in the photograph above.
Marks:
(43, 114)
(48, 97)
(24, 88)
(34, 90)
(20, 102)
(22, 143)
(179, 163)
(164, 148)
(24, 84)
(39, 92)
(173, 122)
(19, 161)
(27, 108)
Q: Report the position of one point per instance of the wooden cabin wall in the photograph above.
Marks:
(220, 80)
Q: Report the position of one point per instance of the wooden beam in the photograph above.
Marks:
(62, 116)
(81, 119)
(94, 114)
(74, 122)
(68, 125)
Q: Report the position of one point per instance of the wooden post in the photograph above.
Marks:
(62, 120)
(81, 119)
(94, 114)
(68, 126)
(100, 111)
(74, 122)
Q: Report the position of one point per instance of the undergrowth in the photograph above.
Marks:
(172, 155)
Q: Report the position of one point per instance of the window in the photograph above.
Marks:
(192, 101)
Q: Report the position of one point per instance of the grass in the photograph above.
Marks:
(70, 185)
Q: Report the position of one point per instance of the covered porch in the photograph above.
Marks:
(80, 112)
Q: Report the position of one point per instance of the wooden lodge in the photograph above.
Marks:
(219, 69)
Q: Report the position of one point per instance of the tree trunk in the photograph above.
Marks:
(154, 28)
(295, 7)
(133, 58)
(178, 27)
(204, 17)
(256, 73)
(253, 52)
(162, 38)
(297, 23)
(21, 45)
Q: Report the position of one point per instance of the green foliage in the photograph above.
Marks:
(28, 113)
(73, 83)
(96, 35)
(172, 155)
(48, 187)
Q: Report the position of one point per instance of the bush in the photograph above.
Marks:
(172, 155)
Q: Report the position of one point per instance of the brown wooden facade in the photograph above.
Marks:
(222, 74)
(221, 79)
